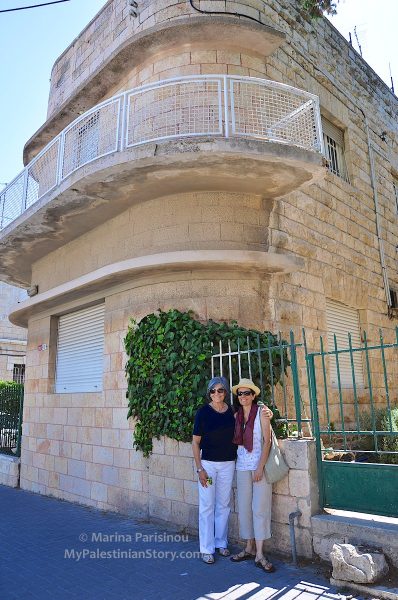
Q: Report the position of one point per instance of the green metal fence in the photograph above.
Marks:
(265, 364)
(11, 406)
(346, 397)
(355, 420)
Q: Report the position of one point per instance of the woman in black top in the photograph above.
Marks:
(214, 455)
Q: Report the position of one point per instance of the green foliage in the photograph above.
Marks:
(10, 395)
(168, 369)
(316, 8)
(381, 422)
(390, 443)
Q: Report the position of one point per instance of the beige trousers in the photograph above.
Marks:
(254, 506)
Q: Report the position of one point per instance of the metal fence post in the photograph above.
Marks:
(19, 440)
(296, 383)
(315, 423)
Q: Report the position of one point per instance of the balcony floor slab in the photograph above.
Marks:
(110, 185)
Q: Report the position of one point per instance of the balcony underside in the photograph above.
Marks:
(110, 185)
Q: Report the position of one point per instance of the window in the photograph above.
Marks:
(395, 184)
(18, 373)
(394, 298)
(342, 320)
(79, 363)
(333, 138)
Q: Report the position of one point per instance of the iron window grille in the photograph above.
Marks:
(333, 138)
(18, 374)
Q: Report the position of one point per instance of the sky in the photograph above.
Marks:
(31, 40)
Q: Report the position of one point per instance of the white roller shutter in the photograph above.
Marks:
(341, 320)
(333, 132)
(80, 351)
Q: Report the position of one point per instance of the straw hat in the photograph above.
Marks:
(246, 383)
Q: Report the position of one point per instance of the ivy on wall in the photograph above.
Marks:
(168, 369)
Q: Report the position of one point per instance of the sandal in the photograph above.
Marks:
(243, 555)
(208, 559)
(224, 551)
(265, 565)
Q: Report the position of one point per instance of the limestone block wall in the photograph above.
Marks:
(201, 220)
(113, 26)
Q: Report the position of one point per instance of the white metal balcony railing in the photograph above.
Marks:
(216, 105)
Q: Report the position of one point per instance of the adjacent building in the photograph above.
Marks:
(12, 338)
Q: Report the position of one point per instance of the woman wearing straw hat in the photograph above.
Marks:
(214, 455)
(253, 437)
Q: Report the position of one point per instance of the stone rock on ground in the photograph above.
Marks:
(350, 564)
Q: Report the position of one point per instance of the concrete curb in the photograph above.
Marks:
(372, 590)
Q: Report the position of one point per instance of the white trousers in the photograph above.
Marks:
(254, 506)
(214, 505)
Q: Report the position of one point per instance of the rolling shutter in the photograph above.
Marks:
(341, 320)
(333, 132)
(80, 351)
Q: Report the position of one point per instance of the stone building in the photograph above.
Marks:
(182, 164)
(12, 338)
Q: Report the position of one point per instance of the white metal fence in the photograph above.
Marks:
(214, 105)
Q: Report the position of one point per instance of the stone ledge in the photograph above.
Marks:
(249, 262)
(9, 470)
(375, 591)
(355, 528)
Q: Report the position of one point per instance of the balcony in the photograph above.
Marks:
(190, 133)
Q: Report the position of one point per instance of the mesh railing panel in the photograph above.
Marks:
(177, 109)
(12, 202)
(275, 114)
(42, 174)
(91, 137)
(201, 105)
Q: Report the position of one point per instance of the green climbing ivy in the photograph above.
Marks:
(168, 368)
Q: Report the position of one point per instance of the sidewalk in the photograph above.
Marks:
(56, 550)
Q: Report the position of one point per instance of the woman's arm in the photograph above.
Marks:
(266, 429)
(196, 455)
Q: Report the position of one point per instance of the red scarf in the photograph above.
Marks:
(243, 435)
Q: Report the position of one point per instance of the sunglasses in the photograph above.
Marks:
(218, 391)
(245, 393)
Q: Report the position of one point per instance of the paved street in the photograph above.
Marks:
(56, 550)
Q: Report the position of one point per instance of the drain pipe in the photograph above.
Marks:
(292, 516)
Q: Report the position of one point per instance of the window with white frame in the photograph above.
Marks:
(333, 138)
(80, 350)
(342, 320)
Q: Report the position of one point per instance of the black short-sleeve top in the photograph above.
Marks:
(216, 431)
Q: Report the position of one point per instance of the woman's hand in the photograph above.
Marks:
(258, 475)
(266, 412)
(203, 478)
